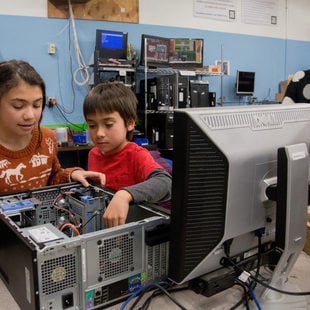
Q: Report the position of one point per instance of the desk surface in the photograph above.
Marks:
(191, 301)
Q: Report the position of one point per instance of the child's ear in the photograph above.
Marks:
(131, 124)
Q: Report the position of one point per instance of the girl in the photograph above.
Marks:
(28, 152)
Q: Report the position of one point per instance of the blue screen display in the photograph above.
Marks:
(111, 40)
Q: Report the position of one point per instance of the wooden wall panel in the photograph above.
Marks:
(109, 10)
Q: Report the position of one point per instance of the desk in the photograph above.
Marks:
(74, 155)
(191, 301)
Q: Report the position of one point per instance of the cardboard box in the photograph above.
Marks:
(282, 89)
(307, 245)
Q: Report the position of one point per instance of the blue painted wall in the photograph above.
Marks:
(28, 38)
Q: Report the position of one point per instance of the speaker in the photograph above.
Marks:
(199, 93)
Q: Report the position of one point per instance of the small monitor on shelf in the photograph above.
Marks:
(154, 51)
(245, 83)
(111, 44)
(171, 52)
(186, 53)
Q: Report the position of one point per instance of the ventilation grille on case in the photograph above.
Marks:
(116, 255)
(46, 213)
(157, 258)
(255, 120)
(46, 197)
(198, 198)
(58, 274)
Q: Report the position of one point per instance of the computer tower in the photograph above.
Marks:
(212, 99)
(45, 267)
(183, 91)
(160, 93)
(199, 94)
(151, 94)
(165, 92)
(160, 129)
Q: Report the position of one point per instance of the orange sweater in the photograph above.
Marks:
(35, 166)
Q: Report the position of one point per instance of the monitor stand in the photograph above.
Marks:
(291, 228)
(272, 300)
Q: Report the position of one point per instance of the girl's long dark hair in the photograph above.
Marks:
(12, 72)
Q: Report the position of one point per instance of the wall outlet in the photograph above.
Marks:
(52, 48)
(51, 102)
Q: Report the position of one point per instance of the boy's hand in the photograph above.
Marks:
(117, 210)
(82, 176)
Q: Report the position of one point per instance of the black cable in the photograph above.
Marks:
(170, 297)
(277, 289)
(157, 292)
(148, 288)
(244, 299)
(94, 214)
(162, 289)
(67, 120)
(259, 257)
(268, 286)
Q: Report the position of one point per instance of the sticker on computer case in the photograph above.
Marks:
(90, 299)
(137, 281)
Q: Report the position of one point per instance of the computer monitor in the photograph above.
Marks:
(186, 53)
(225, 175)
(154, 51)
(111, 44)
(245, 83)
(171, 52)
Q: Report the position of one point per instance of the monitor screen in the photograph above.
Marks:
(245, 82)
(186, 52)
(154, 50)
(111, 44)
(171, 52)
(220, 179)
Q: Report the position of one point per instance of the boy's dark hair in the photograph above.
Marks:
(12, 72)
(109, 97)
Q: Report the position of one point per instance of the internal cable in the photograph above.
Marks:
(73, 228)
(93, 215)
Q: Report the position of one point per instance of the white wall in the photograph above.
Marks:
(293, 17)
(180, 14)
(24, 7)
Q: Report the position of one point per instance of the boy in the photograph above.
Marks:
(110, 110)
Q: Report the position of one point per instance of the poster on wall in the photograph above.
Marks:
(216, 9)
(259, 12)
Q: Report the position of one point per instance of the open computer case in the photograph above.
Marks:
(47, 265)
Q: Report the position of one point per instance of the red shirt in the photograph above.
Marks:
(128, 167)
